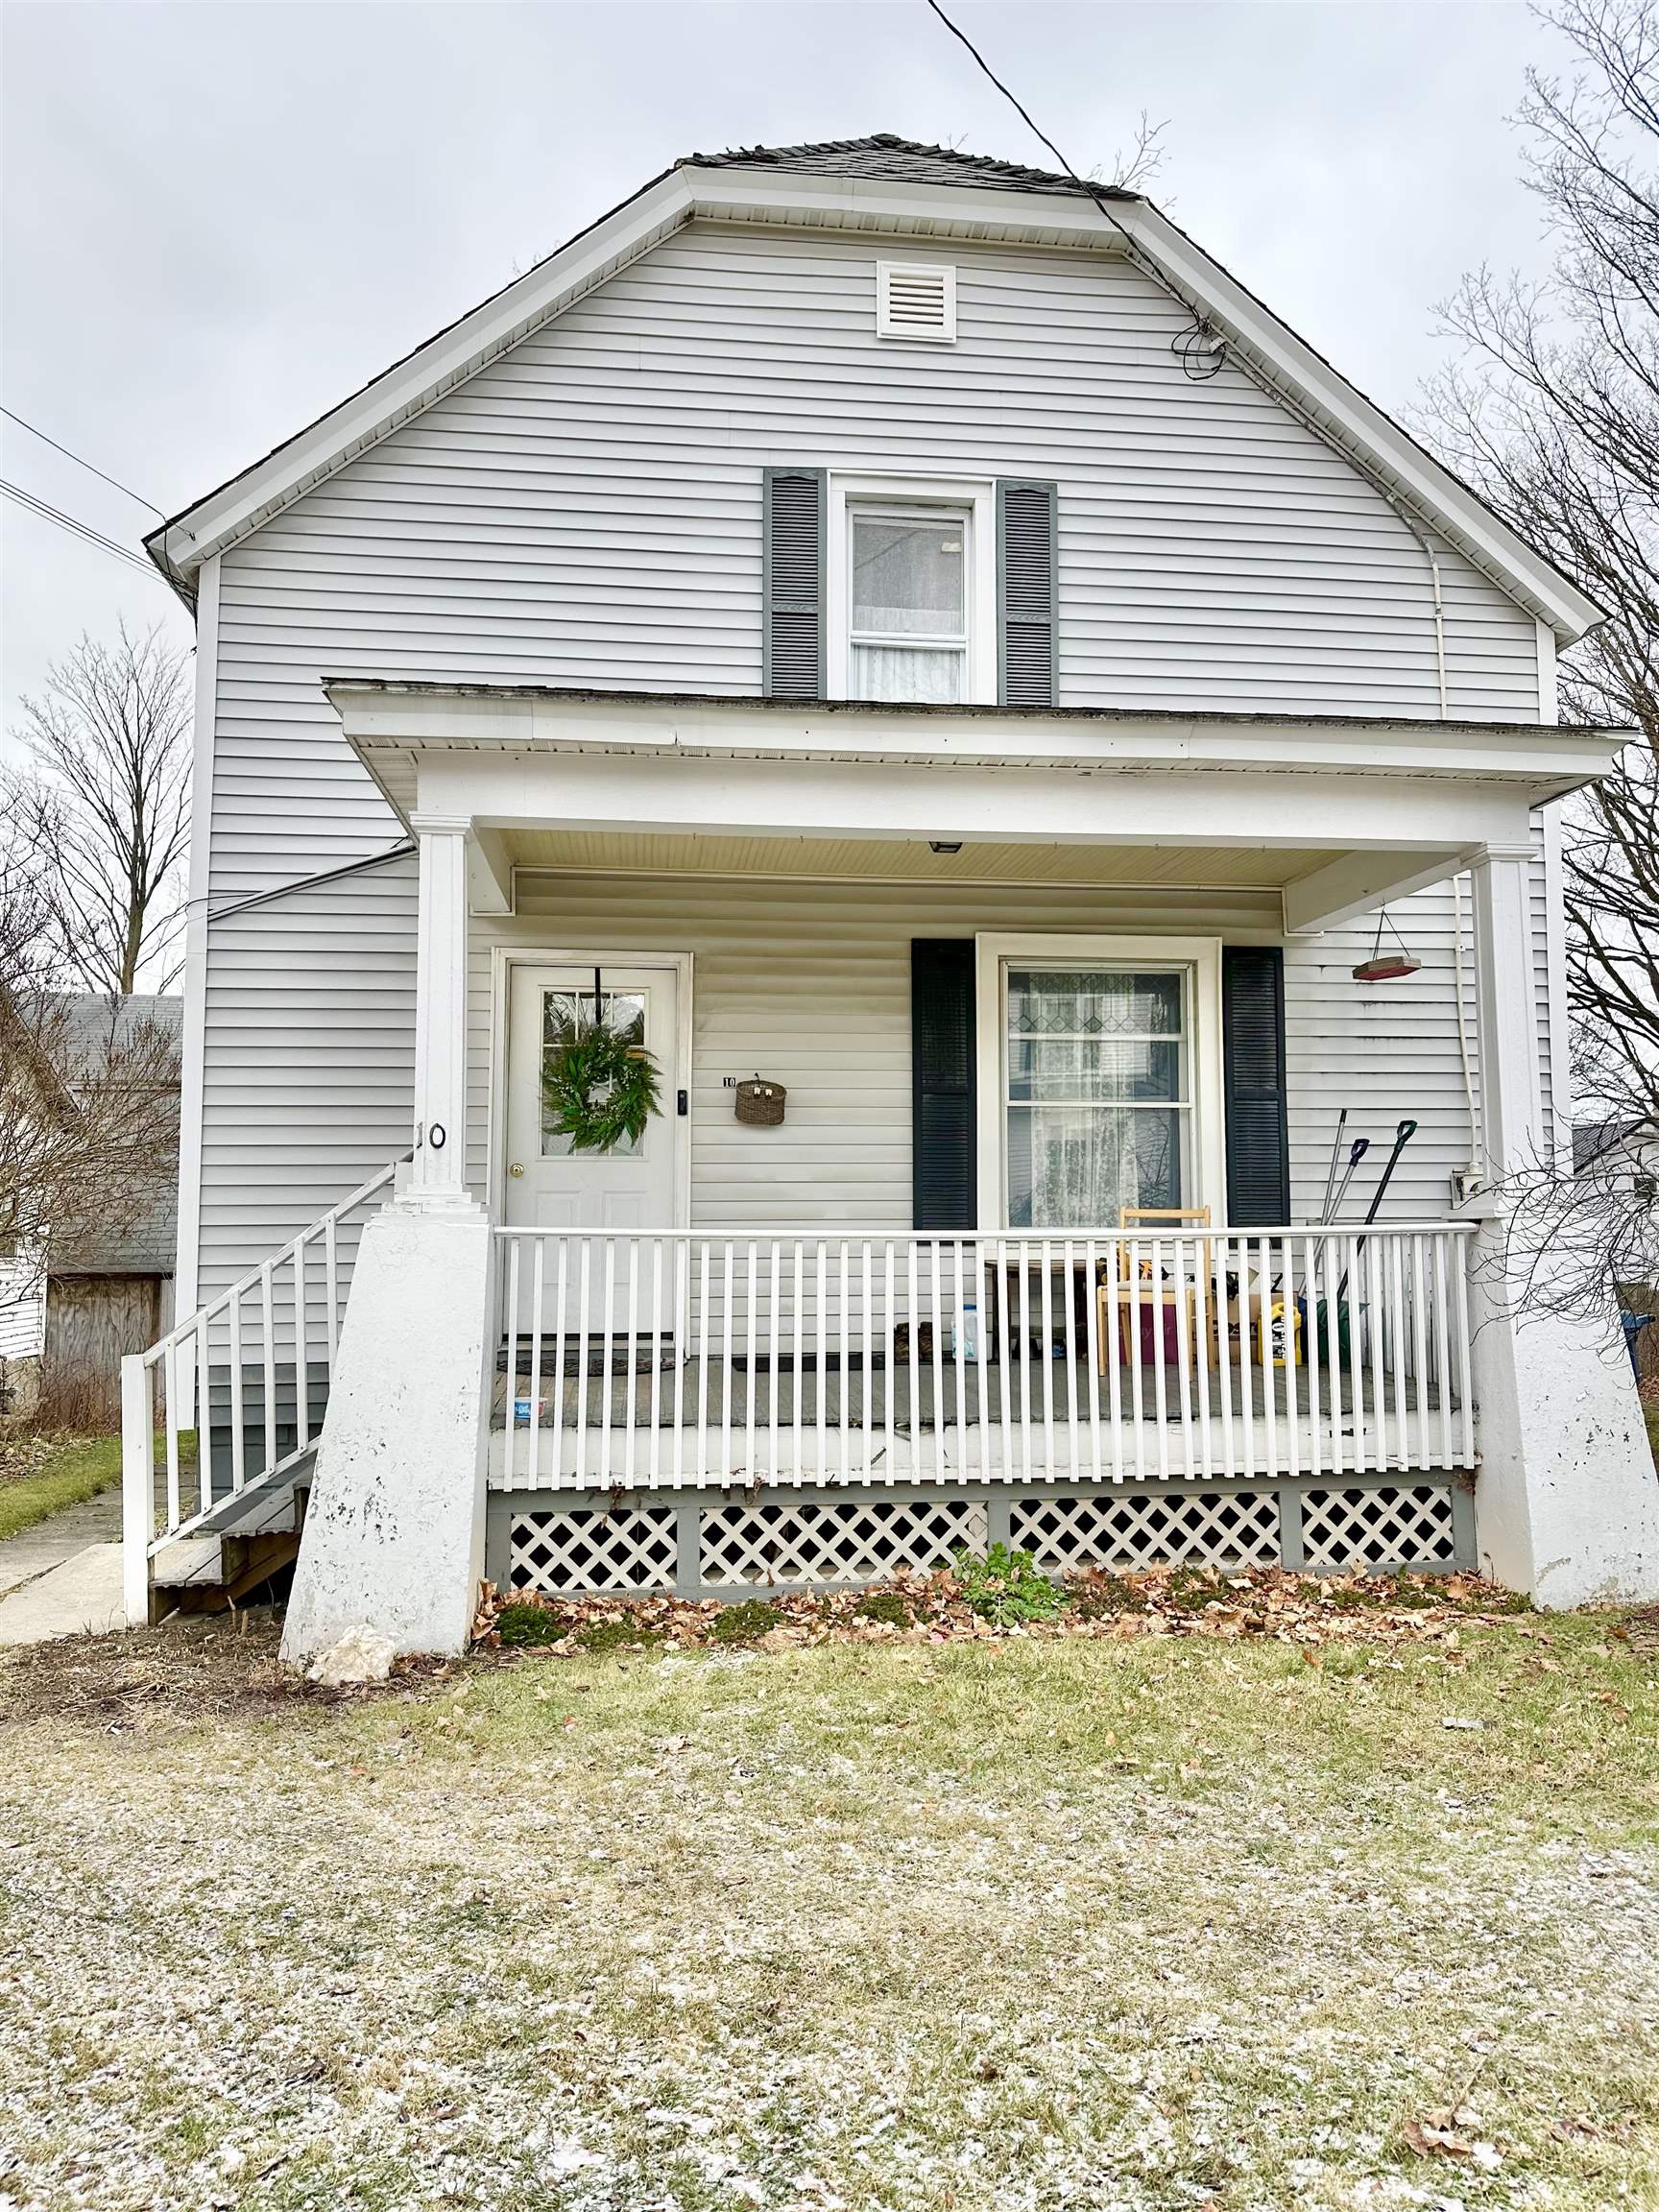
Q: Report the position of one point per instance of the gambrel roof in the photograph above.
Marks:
(883, 188)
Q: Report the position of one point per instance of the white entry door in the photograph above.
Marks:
(550, 1186)
(631, 1188)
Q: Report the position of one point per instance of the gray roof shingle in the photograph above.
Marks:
(900, 161)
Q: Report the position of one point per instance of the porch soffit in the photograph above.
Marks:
(840, 859)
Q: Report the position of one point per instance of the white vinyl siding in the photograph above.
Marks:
(589, 511)
(810, 985)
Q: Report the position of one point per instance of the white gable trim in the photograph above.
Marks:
(1263, 345)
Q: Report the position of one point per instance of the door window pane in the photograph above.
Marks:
(565, 1013)
(1097, 1112)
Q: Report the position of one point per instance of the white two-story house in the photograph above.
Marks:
(898, 671)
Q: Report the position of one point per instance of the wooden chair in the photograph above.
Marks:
(1149, 1291)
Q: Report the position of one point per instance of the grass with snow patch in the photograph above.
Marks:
(1152, 1924)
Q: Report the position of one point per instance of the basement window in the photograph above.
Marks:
(916, 300)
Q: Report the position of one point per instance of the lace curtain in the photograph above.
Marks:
(1096, 1062)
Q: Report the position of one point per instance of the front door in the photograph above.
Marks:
(547, 1185)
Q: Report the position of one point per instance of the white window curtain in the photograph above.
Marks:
(1097, 1100)
(908, 604)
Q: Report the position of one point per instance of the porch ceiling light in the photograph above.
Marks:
(934, 846)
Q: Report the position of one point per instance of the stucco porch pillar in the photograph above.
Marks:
(1566, 1502)
(394, 1535)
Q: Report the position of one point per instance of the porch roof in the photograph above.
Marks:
(1338, 813)
(390, 723)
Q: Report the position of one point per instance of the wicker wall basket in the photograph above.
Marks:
(761, 1105)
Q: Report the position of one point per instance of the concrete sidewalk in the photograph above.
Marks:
(63, 1575)
(58, 1537)
(78, 1594)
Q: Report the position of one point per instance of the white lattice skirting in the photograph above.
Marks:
(714, 1547)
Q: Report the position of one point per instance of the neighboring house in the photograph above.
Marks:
(913, 644)
(74, 1304)
(1622, 1155)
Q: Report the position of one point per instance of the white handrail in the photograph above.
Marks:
(266, 1330)
(309, 1235)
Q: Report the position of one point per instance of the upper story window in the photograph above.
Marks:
(926, 590)
(907, 603)
(910, 613)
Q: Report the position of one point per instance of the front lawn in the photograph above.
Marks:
(1149, 1921)
(41, 1475)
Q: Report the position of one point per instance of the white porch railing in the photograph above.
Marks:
(834, 1355)
(235, 1395)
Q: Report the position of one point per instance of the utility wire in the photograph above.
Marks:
(1025, 116)
(1200, 351)
(81, 462)
(82, 530)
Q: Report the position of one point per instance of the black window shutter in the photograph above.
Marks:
(942, 1149)
(792, 641)
(1027, 594)
(1253, 1059)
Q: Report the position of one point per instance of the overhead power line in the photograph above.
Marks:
(77, 529)
(34, 431)
(1200, 351)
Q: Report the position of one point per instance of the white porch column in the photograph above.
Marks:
(1566, 1503)
(394, 1539)
(1510, 1115)
(437, 1172)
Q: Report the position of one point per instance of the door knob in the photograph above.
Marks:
(517, 1168)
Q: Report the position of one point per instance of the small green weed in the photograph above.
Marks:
(1005, 1587)
(883, 1605)
(619, 1636)
(745, 1622)
(526, 1622)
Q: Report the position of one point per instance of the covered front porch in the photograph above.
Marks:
(1062, 1011)
(936, 1277)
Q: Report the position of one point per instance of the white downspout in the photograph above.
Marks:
(1476, 1143)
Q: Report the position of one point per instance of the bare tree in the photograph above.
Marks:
(88, 1087)
(1554, 411)
(105, 813)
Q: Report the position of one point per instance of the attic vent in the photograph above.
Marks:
(916, 300)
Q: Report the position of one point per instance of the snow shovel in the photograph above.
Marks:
(1361, 1146)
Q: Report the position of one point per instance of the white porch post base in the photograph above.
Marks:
(395, 1534)
(1567, 1500)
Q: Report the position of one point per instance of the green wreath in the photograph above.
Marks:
(599, 1091)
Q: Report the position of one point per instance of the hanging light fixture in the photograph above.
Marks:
(1387, 967)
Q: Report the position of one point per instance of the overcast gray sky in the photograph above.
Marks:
(219, 218)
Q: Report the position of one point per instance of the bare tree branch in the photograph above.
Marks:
(105, 813)
(1552, 411)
